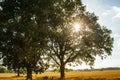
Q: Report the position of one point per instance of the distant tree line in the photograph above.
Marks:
(99, 69)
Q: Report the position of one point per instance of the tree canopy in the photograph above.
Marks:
(34, 31)
(67, 46)
(23, 33)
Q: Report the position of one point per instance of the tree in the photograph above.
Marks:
(23, 33)
(67, 46)
(2, 69)
(32, 28)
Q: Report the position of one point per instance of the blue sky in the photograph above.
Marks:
(108, 12)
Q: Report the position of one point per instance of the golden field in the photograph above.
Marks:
(87, 75)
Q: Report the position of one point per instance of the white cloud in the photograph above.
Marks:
(117, 11)
(114, 12)
(118, 44)
(106, 13)
(117, 35)
(116, 48)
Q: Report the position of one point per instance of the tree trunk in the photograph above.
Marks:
(29, 73)
(62, 72)
(18, 72)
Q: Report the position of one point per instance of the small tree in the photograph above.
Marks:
(2, 69)
(69, 46)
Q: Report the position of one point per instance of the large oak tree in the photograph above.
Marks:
(69, 46)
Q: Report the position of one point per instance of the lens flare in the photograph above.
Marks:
(76, 27)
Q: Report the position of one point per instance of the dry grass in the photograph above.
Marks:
(93, 75)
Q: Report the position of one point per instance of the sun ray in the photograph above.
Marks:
(76, 27)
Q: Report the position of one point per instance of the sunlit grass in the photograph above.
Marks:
(88, 75)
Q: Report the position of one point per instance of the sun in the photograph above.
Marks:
(76, 27)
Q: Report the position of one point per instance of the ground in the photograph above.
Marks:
(84, 75)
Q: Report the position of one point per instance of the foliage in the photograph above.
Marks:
(37, 30)
(2, 69)
(22, 34)
(66, 46)
(68, 70)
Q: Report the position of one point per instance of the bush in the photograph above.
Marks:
(2, 69)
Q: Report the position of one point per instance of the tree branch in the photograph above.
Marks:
(54, 59)
(71, 57)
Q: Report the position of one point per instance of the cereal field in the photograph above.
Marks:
(87, 75)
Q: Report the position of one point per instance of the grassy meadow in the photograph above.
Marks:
(84, 75)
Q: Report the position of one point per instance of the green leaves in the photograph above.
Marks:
(44, 28)
(24, 32)
(91, 41)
